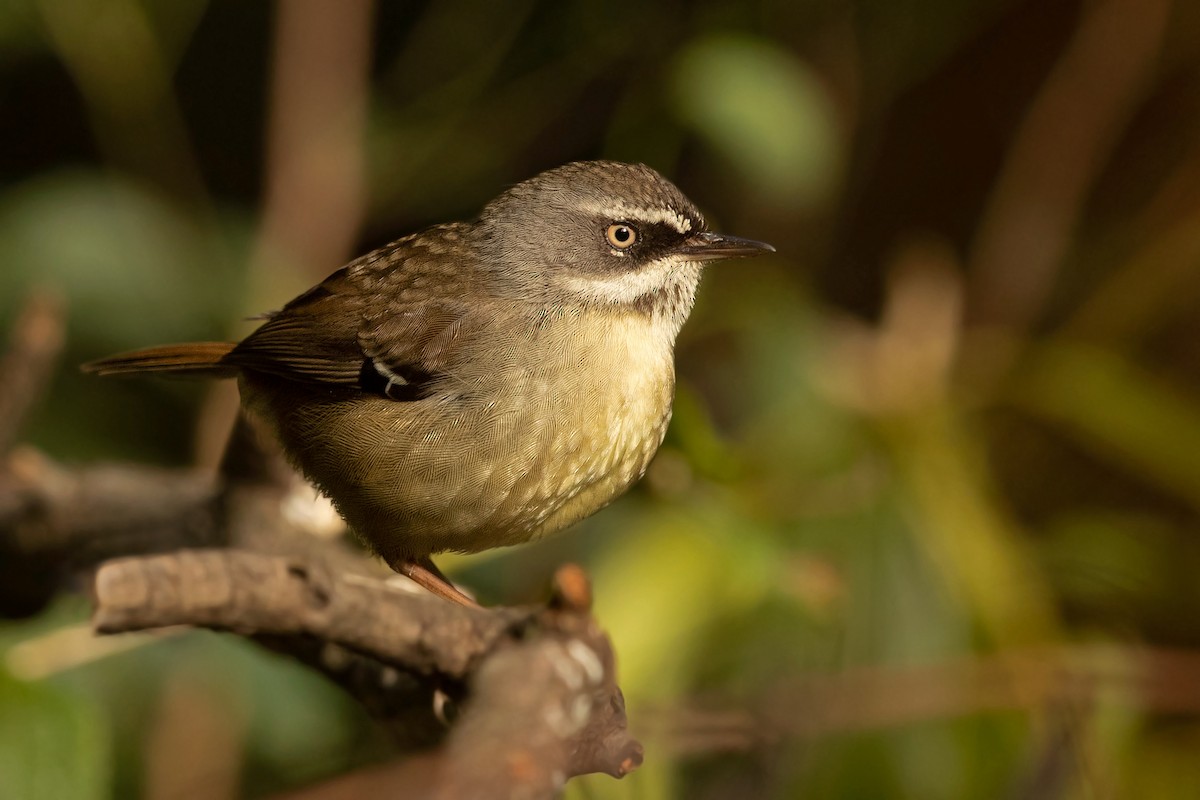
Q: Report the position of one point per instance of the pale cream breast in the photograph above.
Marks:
(611, 409)
(559, 416)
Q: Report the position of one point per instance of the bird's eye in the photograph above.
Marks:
(621, 235)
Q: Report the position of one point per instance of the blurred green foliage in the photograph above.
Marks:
(877, 480)
(52, 743)
(764, 111)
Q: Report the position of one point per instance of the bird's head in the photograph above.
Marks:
(604, 233)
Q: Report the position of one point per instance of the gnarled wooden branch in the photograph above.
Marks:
(541, 700)
(289, 596)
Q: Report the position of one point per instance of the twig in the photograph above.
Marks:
(86, 515)
(1057, 155)
(262, 594)
(1151, 680)
(315, 165)
(37, 338)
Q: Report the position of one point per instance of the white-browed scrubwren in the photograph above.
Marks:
(484, 383)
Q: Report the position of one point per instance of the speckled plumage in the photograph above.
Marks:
(481, 384)
(499, 451)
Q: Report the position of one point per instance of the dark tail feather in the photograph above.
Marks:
(194, 359)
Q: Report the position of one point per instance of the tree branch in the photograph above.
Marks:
(542, 703)
(289, 596)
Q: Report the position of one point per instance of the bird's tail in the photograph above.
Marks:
(193, 359)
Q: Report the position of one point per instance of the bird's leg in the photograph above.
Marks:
(423, 572)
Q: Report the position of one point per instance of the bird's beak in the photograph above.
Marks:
(715, 246)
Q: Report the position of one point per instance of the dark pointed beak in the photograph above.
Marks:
(715, 246)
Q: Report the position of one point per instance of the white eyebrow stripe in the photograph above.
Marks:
(624, 211)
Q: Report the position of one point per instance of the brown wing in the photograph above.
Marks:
(380, 324)
(313, 338)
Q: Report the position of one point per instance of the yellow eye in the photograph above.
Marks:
(621, 236)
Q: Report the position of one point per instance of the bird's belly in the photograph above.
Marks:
(591, 449)
(493, 468)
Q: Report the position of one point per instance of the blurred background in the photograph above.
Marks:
(926, 521)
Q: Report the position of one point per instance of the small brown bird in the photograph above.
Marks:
(485, 383)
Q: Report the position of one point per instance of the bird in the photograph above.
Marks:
(484, 383)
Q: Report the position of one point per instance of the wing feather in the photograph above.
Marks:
(394, 313)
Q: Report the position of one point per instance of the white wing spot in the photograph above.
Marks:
(586, 657)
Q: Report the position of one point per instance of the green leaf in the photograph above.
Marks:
(52, 744)
(764, 110)
(131, 265)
